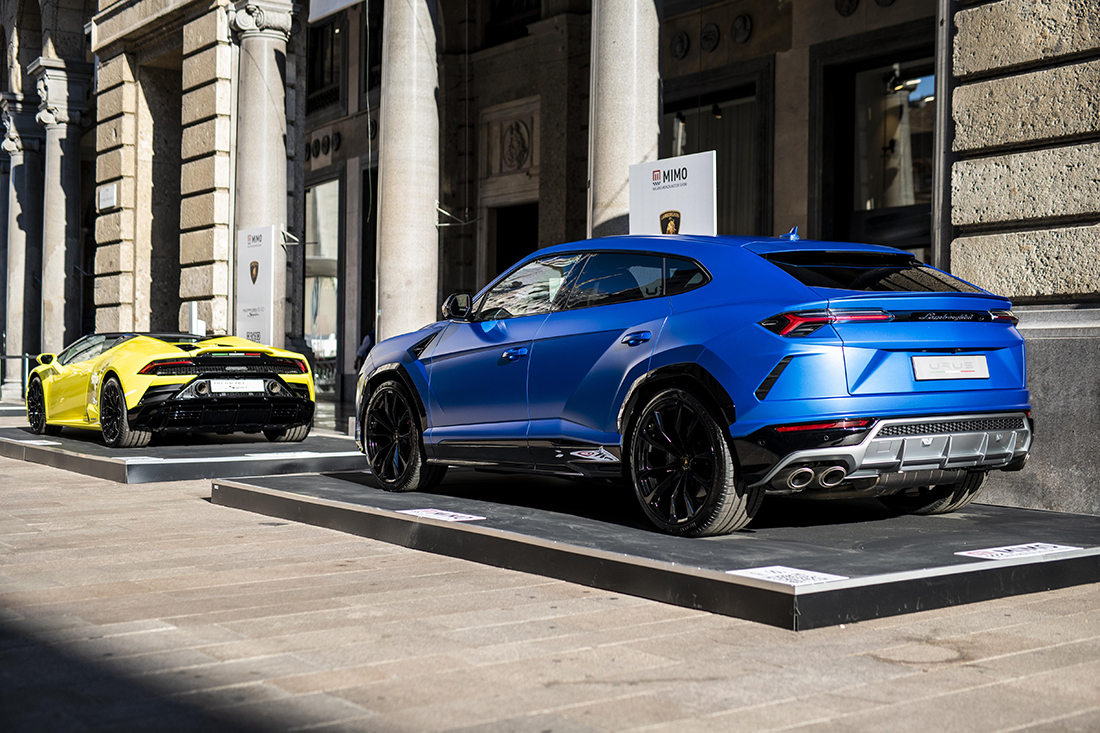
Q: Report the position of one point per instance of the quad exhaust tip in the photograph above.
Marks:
(800, 478)
(832, 476)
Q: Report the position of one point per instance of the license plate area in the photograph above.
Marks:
(950, 366)
(236, 386)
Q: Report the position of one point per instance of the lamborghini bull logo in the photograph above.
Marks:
(670, 222)
(254, 270)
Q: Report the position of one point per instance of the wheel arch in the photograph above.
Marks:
(108, 373)
(691, 377)
(385, 373)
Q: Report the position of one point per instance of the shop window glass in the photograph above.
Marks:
(728, 128)
(322, 283)
(893, 132)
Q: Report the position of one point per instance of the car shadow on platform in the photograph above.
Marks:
(614, 502)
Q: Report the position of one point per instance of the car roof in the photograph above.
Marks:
(695, 245)
(151, 334)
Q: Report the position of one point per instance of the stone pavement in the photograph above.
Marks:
(145, 607)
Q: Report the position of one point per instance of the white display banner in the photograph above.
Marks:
(675, 196)
(256, 284)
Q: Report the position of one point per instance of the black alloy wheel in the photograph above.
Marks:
(113, 418)
(391, 441)
(683, 470)
(36, 410)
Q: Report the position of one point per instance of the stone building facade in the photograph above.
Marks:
(410, 150)
(1025, 212)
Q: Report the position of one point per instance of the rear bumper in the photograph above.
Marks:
(160, 410)
(965, 442)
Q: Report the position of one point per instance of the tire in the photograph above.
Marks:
(113, 421)
(937, 499)
(289, 435)
(683, 471)
(392, 442)
(36, 410)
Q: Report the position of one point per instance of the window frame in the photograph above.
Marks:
(565, 292)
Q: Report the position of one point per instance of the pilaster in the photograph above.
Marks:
(116, 171)
(408, 170)
(262, 30)
(624, 107)
(62, 92)
(207, 179)
(23, 144)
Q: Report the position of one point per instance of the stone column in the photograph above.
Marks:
(408, 170)
(62, 91)
(22, 142)
(263, 31)
(5, 166)
(625, 123)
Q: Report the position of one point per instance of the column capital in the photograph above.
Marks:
(267, 17)
(21, 133)
(62, 90)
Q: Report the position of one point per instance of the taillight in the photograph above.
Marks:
(850, 424)
(803, 323)
(295, 364)
(153, 367)
(1001, 316)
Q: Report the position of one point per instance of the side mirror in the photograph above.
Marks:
(46, 358)
(457, 307)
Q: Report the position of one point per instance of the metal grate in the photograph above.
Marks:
(952, 426)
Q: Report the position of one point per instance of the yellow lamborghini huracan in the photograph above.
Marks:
(131, 385)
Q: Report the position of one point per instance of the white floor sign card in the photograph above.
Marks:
(675, 196)
(442, 515)
(787, 576)
(1013, 551)
(256, 284)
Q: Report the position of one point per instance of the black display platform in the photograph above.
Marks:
(180, 458)
(593, 534)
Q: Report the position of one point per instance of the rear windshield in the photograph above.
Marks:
(867, 271)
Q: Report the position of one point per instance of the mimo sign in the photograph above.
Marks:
(675, 196)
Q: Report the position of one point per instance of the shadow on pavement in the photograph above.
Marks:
(44, 689)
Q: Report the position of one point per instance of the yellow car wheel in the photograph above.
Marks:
(113, 421)
(36, 410)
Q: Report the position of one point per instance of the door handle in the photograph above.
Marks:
(513, 354)
(636, 338)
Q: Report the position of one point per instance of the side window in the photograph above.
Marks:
(612, 277)
(529, 290)
(82, 350)
(682, 275)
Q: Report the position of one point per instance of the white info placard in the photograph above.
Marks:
(675, 196)
(256, 284)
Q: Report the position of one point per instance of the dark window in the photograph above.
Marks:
(616, 278)
(682, 276)
(372, 47)
(508, 20)
(867, 271)
(529, 290)
(324, 65)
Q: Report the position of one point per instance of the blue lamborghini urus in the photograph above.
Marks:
(708, 372)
